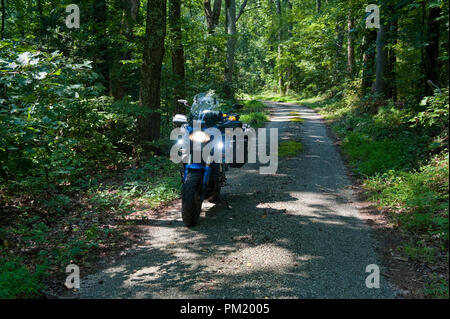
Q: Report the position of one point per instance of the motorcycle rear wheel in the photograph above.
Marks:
(191, 203)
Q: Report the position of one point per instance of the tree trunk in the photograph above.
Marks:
(119, 76)
(338, 54)
(212, 15)
(150, 95)
(392, 56)
(101, 59)
(368, 73)
(423, 85)
(350, 46)
(2, 30)
(381, 62)
(230, 21)
(318, 6)
(432, 50)
(41, 17)
(177, 54)
(290, 28)
(212, 20)
(281, 82)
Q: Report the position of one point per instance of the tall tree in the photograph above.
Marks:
(212, 15)
(101, 58)
(432, 49)
(368, 71)
(392, 54)
(338, 52)
(230, 27)
(281, 85)
(177, 53)
(212, 20)
(150, 95)
(2, 28)
(350, 44)
(381, 61)
(42, 28)
(119, 76)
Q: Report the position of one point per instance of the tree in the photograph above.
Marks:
(101, 58)
(149, 95)
(177, 53)
(432, 49)
(230, 27)
(281, 85)
(350, 44)
(392, 55)
(381, 61)
(368, 67)
(119, 76)
(2, 28)
(41, 17)
(212, 20)
(212, 15)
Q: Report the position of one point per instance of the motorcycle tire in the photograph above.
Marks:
(191, 204)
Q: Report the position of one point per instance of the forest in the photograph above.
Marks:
(86, 112)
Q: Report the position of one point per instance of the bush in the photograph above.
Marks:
(54, 124)
(422, 196)
(436, 114)
(16, 281)
(254, 113)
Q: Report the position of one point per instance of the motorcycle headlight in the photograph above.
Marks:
(200, 137)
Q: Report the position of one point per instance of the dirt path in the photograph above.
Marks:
(296, 234)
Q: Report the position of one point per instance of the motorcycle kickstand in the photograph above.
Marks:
(224, 200)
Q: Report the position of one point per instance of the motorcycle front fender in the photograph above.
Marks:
(206, 175)
(194, 166)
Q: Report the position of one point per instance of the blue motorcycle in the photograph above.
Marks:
(201, 176)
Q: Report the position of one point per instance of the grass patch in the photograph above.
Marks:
(296, 117)
(255, 119)
(254, 113)
(289, 148)
(437, 288)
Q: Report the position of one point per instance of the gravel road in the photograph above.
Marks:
(295, 234)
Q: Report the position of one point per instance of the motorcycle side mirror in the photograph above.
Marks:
(238, 106)
(184, 102)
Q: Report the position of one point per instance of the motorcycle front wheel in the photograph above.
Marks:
(191, 203)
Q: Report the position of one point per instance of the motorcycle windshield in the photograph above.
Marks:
(205, 101)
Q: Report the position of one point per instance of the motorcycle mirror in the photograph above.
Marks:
(185, 102)
(238, 106)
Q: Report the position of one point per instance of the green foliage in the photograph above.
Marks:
(422, 196)
(374, 156)
(437, 288)
(254, 113)
(436, 113)
(255, 119)
(16, 281)
(54, 125)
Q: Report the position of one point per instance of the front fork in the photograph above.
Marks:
(206, 168)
